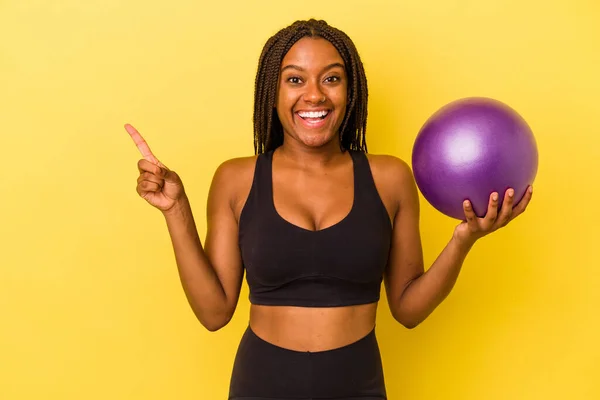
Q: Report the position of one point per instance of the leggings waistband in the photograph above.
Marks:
(264, 370)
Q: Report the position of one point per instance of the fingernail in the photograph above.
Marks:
(530, 189)
(495, 196)
(511, 192)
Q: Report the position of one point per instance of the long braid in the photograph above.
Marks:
(268, 132)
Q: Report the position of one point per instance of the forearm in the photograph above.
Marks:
(422, 296)
(200, 282)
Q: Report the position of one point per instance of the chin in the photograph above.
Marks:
(317, 140)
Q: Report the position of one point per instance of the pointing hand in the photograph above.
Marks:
(158, 185)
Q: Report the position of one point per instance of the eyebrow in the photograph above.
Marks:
(298, 68)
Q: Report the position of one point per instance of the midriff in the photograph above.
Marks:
(312, 329)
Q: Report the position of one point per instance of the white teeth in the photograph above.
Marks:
(313, 114)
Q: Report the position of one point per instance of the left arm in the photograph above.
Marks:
(414, 294)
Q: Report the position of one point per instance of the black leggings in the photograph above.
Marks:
(263, 371)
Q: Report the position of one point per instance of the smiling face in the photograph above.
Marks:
(312, 93)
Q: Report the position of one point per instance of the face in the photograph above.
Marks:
(312, 93)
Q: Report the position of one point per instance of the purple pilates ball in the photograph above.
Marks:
(470, 148)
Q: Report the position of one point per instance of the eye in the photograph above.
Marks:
(294, 80)
(333, 79)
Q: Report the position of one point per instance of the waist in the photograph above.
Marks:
(312, 329)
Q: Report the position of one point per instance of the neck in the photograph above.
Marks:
(310, 157)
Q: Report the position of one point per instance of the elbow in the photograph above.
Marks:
(214, 322)
(212, 327)
(408, 323)
(406, 319)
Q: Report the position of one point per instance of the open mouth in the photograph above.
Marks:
(313, 118)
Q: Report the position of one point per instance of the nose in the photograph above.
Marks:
(314, 93)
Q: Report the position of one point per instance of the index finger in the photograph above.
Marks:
(141, 144)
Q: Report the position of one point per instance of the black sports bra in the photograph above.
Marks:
(340, 265)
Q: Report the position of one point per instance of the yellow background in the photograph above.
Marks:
(90, 302)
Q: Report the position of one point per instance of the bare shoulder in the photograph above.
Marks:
(390, 170)
(232, 181)
(394, 180)
(235, 169)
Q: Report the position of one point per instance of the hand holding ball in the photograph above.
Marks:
(469, 149)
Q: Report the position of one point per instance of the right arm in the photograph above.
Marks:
(211, 276)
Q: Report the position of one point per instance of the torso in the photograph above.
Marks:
(313, 200)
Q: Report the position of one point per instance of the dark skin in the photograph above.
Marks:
(313, 189)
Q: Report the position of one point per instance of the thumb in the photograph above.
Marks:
(169, 176)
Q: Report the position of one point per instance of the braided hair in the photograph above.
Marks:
(268, 131)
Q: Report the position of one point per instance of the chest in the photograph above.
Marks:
(355, 249)
(313, 201)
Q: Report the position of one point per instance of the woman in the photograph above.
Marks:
(316, 223)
